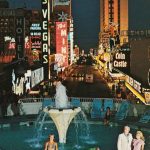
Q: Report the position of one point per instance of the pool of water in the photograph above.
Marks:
(24, 137)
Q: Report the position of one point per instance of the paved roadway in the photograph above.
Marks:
(77, 87)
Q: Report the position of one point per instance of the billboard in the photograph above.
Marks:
(121, 61)
(20, 34)
(21, 85)
(45, 38)
(134, 83)
(35, 37)
(37, 76)
(62, 42)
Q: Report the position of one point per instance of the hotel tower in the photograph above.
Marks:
(114, 12)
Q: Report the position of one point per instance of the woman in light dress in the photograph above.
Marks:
(138, 143)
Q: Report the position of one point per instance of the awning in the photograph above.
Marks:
(136, 93)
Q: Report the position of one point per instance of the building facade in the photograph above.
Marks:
(114, 18)
(140, 61)
(8, 31)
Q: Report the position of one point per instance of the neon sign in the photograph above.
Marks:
(62, 41)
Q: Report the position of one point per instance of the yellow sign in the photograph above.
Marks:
(147, 97)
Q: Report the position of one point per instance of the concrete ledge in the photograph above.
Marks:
(6, 125)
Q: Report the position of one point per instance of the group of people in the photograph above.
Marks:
(127, 142)
(125, 139)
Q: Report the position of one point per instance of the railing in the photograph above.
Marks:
(82, 99)
(30, 106)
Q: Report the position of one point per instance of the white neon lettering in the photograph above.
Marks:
(44, 12)
(45, 57)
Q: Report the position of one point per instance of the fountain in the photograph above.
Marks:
(62, 119)
(62, 114)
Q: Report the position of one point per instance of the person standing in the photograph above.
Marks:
(125, 139)
(51, 144)
(107, 116)
(138, 143)
(61, 98)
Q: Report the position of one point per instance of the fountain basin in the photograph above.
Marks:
(62, 119)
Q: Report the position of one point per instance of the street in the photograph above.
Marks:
(77, 87)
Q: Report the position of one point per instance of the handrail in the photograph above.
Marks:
(82, 99)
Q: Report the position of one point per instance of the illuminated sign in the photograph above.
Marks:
(35, 27)
(20, 25)
(8, 38)
(135, 84)
(147, 97)
(71, 47)
(62, 42)
(37, 76)
(121, 61)
(35, 36)
(12, 42)
(12, 45)
(21, 85)
(45, 47)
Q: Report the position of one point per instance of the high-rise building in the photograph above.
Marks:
(114, 17)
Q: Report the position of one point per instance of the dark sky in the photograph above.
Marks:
(86, 23)
(86, 18)
(29, 3)
(139, 14)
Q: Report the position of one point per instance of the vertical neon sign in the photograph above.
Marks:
(62, 41)
(45, 38)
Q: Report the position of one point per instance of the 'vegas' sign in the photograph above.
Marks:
(45, 37)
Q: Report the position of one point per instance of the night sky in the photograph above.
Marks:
(86, 15)
(86, 18)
